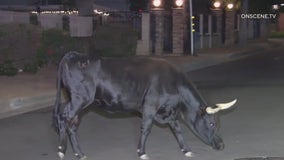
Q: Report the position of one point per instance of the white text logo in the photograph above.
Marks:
(258, 16)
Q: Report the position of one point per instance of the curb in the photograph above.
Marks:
(214, 60)
(188, 67)
(244, 54)
(20, 105)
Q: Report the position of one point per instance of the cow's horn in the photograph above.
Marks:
(223, 106)
(220, 106)
(211, 110)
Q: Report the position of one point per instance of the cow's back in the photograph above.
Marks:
(141, 69)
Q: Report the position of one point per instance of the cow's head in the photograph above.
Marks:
(204, 123)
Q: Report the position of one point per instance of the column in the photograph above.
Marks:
(178, 30)
(159, 31)
(143, 45)
(218, 14)
(230, 28)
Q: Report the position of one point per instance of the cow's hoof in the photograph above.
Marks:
(60, 155)
(144, 157)
(188, 154)
(83, 158)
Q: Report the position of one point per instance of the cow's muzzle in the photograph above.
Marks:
(218, 144)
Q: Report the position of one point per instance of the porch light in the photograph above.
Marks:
(157, 3)
(275, 7)
(217, 4)
(230, 6)
(179, 3)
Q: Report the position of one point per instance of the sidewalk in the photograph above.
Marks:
(211, 57)
(25, 92)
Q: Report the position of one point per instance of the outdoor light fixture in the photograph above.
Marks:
(230, 6)
(217, 4)
(179, 3)
(221, 5)
(193, 30)
(275, 7)
(157, 3)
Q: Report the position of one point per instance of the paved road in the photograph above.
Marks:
(253, 128)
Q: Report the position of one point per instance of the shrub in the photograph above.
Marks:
(19, 42)
(55, 43)
(41, 58)
(33, 19)
(277, 35)
(7, 68)
(31, 68)
(115, 40)
(2, 32)
(66, 21)
(31, 47)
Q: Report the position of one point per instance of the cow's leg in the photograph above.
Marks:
(145, 131)
(72, 131)
(62, 134)
(62, 140)
(77, 104)
(176, 128)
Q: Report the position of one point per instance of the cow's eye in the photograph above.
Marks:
(211, 124)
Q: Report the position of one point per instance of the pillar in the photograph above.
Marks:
(159, 31)
(178, 30)
(219, 17)
(143, 45)
(230, 28)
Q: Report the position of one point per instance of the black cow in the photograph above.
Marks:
(153, 87)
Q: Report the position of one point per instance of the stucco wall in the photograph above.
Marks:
(79, 26)
(48, 21)
(14, 17)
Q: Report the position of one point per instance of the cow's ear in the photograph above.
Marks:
(201, 112)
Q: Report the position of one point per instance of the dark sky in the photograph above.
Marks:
(17, 2)
(116, 4)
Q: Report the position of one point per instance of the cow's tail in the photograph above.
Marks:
(59, 83)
